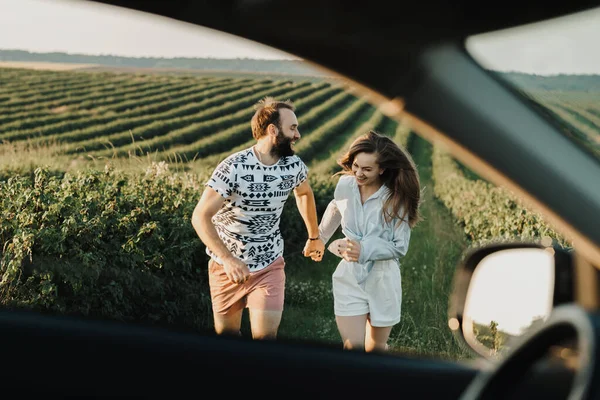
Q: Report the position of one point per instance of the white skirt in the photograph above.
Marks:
(379, 295)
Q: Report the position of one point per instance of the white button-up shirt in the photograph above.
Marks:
(379, 240)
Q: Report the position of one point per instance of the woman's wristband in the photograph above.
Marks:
(313, 238)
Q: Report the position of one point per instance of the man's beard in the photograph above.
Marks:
(282, 147)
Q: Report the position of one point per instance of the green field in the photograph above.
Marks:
(100, 171)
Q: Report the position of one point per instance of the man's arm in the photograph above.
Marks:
(210, 202)
(305, 200)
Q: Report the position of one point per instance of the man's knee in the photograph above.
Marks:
(264, 324)
(228, 324)
(227, 331)
(264, 336)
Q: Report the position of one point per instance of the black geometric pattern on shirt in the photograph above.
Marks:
(301, 175)
(259, 209)
(263, 257)
(234, 249)
(255, 203)
(263, 248)
(284, 193)
(258, 187)
(254, 239)
(256, 251)
(248, 178)
(286, 185)
(231, 244)
(226, 218)
(289, 166)
(252, 167)
(224, 167)
(261, 224)
(270, 238)
(240, 158)
(243, 243)
(235, 189)
(259, 195)
(221, 177)
(225, 234)
(255, 267)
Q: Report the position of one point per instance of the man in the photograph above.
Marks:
(237, 218)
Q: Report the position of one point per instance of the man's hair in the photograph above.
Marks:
(267, 113)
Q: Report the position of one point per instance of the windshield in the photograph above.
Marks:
(555, 65)
(113, 122)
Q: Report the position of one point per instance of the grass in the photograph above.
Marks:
(308, 313)
(23, 157)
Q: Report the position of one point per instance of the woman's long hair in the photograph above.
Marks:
(400, 175)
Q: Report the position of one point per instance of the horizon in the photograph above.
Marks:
(150, 57)
(250, 58)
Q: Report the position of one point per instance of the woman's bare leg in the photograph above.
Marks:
(376, 337)
(352, 331)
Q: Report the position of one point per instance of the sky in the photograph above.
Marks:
(511, 287)
(563, 45)
(75, 26)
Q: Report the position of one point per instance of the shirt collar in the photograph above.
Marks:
(381, 191)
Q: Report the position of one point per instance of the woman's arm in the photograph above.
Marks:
(376, 248)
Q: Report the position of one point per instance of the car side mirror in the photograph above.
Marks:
(501, 291)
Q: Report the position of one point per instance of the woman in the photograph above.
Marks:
(376, 202)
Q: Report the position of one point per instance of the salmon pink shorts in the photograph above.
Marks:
(264, 289)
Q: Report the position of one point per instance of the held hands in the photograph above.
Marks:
(314, 249)
(346, 248)
(236, 270)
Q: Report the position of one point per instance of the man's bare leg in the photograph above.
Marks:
(229, 324)
(264, 324)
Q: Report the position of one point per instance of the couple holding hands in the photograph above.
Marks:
(376, 203)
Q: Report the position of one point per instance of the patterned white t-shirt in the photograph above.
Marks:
(254, 193)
